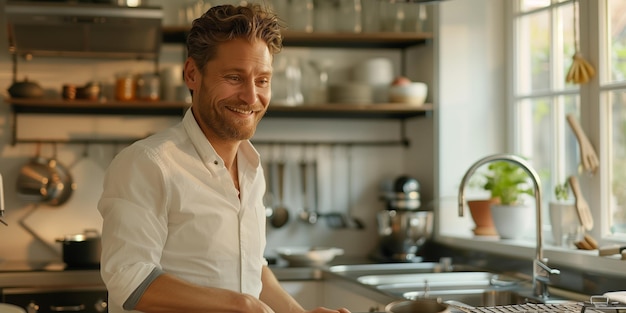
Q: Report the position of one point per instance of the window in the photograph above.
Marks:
(546, 33)
(613, 95)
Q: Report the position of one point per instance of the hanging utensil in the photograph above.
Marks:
(352, 221)
(268, 196)
(307, 214)
(588, 155)
(582, 207)
(334, 219)
(581, 71)
(280, 215)
(45, 180)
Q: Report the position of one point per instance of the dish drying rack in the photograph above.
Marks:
(596, 304)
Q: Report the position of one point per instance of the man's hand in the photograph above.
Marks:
(325, 310)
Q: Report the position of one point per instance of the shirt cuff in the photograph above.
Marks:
(134, 297)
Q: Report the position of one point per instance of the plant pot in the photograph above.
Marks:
(512, 221)
(566, 227)
(481, 214)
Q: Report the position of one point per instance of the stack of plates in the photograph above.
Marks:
(350, 93)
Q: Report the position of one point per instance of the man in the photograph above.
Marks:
(184, 222)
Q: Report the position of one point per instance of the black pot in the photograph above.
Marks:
(25, 89)
(82, 250)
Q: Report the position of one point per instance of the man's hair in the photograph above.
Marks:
(227, 22)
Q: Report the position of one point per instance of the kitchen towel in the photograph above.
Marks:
(619, 296)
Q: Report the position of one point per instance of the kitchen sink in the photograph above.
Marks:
(355, 271)
(447, 280)
(462, 284)
(472, 297)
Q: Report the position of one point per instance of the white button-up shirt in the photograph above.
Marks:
(169, 204)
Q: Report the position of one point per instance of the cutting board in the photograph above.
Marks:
(78, 213)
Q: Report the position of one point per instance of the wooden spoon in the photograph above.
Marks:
(582, 207)
(588, 155)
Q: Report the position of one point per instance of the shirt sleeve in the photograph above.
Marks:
(133, 206)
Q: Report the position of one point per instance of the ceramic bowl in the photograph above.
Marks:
(413, 93)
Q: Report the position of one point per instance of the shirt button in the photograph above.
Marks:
(215, 162)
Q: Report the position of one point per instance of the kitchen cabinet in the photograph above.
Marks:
(338, 296)
(308, 293)
(332, 294)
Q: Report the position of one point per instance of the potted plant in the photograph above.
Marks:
(564, 220)
(507, 182)
(480, 208)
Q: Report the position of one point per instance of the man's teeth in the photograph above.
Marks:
(241, 111)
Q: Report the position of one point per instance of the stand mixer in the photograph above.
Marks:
(402, 227)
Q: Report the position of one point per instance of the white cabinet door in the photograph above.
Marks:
(337, 296)
(307, 293)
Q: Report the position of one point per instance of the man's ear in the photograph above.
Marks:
(191, 74)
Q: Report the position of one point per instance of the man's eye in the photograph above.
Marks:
(234, 78)
(263, 82)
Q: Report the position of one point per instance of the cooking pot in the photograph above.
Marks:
(82, 250)
(417, 306)
(25, 89)
(45, 180)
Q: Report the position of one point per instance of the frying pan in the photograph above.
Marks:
(45, 180)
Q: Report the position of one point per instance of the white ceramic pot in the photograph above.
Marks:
(512, 221)
(566, 227)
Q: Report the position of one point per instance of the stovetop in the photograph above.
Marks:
(7, 266)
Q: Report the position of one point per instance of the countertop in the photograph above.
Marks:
(27, 274)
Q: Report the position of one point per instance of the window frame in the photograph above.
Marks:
(594, 108)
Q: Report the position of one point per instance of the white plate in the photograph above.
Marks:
(308, 256)
(10, 308)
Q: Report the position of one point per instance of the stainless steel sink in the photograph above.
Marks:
(463, 284)
(473, 297)
(448, 279)
(357, 270)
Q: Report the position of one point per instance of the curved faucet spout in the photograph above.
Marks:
(538, 273)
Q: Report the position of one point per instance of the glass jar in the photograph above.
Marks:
(124, 86)
(148, 87)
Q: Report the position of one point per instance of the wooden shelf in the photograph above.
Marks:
(391, 40)
(337, 110)
(60, 106)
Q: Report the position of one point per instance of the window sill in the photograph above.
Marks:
(587, 260)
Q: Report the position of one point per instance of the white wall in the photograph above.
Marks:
(472, 96)
(33, 228)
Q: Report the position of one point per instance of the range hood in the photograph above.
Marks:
(83, 29)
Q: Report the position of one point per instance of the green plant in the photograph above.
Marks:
(561, 191)
(507, 182)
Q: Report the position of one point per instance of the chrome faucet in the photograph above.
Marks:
(541, 271)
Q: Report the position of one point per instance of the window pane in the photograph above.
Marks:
(536, 137)
(566, 18)
(570, 161)
(618, 172)
(529, 5)
(533, 50)
(617, 40)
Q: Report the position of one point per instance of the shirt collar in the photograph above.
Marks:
(205, 149)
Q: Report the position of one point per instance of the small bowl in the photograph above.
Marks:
(308, 256)
(414, 93)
